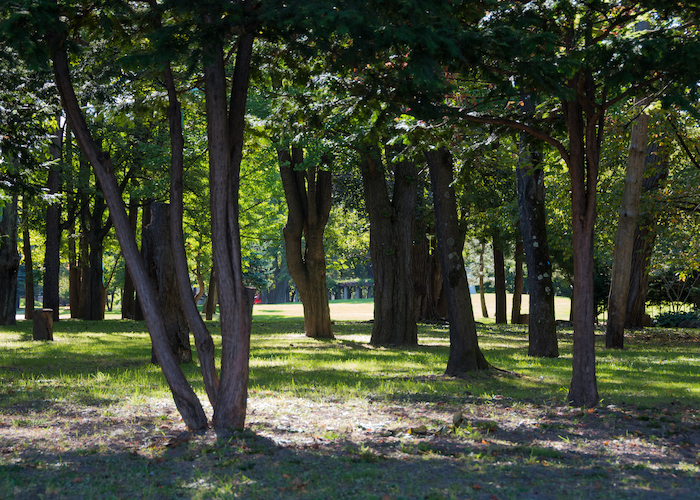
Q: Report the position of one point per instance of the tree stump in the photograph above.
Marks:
(42, 326)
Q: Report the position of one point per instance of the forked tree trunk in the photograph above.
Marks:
(28, 275)
(584, 126)
(542, 330)
(391, 248)
(518, 284)
(499, 273)
(308, 195)
(185, 399)
(482, 291)
(465, 355)
(624, 237)
(160, 264)
(9, 262)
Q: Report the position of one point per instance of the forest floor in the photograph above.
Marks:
(299, 448)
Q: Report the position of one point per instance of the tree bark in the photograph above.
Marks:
(391, 248)
(518, 284)
(185, 399)
(225, 137)
(542, 332)
(482, 291)
(9, 262)
(308, 195)
(128, 292)
(53, 232)
(212, 297)
(499, 273)
(73, 274)
(584, 126)
(465, 355)
(28, 274)
(427, 280)
(624, 237)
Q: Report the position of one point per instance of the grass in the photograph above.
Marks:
(102, 368)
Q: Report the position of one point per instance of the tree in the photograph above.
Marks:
(308, 194)
(9, 261)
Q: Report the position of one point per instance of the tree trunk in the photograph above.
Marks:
(94, 306)
(73, 275)
(160, 263)
(518, 284)
(185, 399)
(499, 273)
(212, 297)
(465, 355)
(308, 195)
(52, 259)
(225, 140)
(482, 292)
(542, 330)
(28, 274)
(128, 292)
(9, 262)
(624, 237)
(427, 280)
(391, 248)
(584, 157)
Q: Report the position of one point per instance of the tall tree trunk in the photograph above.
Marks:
(212, 297)
(185, 399)
(542, 330)
(128, 292)
(73, 274)
(225, 136)
(585, 127)
(482, 291)
(308, 195)
(52, 259)
(465, 355)
(28, 274)
(9, 262)
(518, 283)
(391, 248)
(427, 280)
(624, 237)
(499, 273)
(160, 263)
(94, 305)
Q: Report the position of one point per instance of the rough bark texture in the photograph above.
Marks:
(42, 325)
(225, 136)
(9, 263)
(533, 227)
(185, 399)
(28, 275)
(128, 292)
(427, 281)
(518, 284)
(624, 237)
(465, 355)
(499, 273)
(73, 274)
(308, 195)
(482, 291)
(53, 233)
(212, 297)
(391, 248)
(160, 265)
(584, 126)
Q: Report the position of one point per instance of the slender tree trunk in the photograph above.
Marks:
(28, 275)
(73, 275)
(391, 247)
(9, 262)
(465, 355)
(308, 195)
(518, 284)
(427, 280)
(94, 307)
(584, 157)
(212, 297)
(482, 291)
(624, 237)
(185, 399)
(128, 292)
(499, 273)
(542, 330)
(53, 232)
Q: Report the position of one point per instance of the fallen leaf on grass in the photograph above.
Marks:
(476, 486)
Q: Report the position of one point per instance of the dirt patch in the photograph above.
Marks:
(474, 448)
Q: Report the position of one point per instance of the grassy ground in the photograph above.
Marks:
(88, 417)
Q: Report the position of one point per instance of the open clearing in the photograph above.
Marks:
(88, 417)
